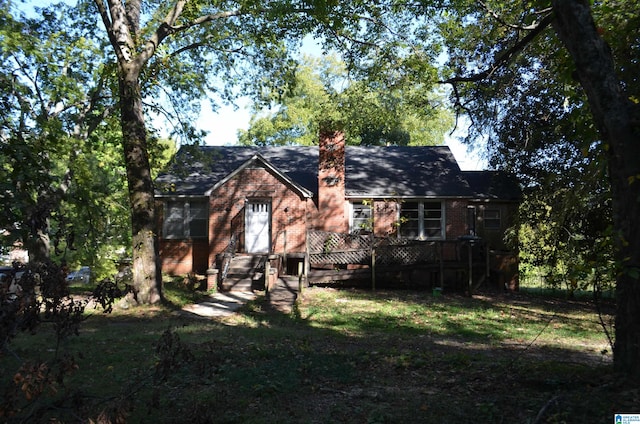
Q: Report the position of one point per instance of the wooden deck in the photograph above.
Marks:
(462, 265)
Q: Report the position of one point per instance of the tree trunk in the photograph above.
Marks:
(38, 238)
(38, 241)
(613, 113)
(147, 278)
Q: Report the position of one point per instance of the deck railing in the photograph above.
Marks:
(325, 248)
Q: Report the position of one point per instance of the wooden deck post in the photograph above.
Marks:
(300, 277)
(307, 258)
(487, 271)
(373, 269)
(441, 265)
(470, 256)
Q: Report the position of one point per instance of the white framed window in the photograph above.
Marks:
(421, 219)
(492, 219)
(361, 217)
(185, 219)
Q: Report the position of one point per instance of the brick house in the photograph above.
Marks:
(265, 199)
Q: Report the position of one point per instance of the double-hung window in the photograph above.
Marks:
(422, 220)
(492, 219)
(185, 219)
(361, 218)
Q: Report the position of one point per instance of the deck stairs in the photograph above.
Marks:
(245, 273)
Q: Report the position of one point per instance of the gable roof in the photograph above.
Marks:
(374, 171)
(261, 161)
(195, 170)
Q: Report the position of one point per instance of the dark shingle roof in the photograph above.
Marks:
(403, 172)
(493, 185)
(370, 171)
(195, 170)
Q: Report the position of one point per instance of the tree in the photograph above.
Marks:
(617, 117)
(512, 46)
(59, 170)
(181, 48)
(502, 56)
(177, 53)
(372, 113)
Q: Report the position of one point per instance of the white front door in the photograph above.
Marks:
(257, 227)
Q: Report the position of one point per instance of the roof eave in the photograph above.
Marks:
(178, 196)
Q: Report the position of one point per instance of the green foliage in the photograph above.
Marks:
(182, 291)
(60, 172)
(40, 297)
(62, 176)
(370, 112)
(528, 106)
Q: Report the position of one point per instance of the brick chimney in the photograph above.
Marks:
(331, 200)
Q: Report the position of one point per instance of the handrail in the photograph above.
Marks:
(229, 253)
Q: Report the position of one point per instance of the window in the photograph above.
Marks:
(492, 219)
(422, 220)
(185, 219)
(361, 218)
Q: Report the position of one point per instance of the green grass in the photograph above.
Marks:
(346, 356)
(484, 319)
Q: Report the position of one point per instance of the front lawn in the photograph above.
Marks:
(348, 356)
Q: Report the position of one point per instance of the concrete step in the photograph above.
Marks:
(243, 270)
(251, 275)
(247, 261)
(242, 284)
(245, 273)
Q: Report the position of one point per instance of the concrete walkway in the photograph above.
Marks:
(220, 305)
(280, 298)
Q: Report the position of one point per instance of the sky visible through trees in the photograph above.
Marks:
(582, 66)
(222, 125)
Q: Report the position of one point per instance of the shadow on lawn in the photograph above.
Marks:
(386, 367)
(336, 358)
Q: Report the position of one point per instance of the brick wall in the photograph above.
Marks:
(456, 218)
(180, 257)
(177, 256)
(331, 207)
(385, 218)
(227, 203)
